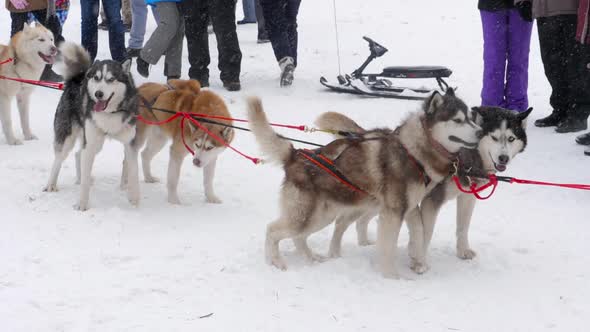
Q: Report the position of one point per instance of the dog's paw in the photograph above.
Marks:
(466, 253)
(15, 141)
(173, 199)
(50, 188)
(133, 200)
(278, 263)
(81, 206)
(151, 179)
(334, 254)
(30, 137)
(213, 199)
(419, 267)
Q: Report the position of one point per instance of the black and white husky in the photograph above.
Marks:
(99, 101)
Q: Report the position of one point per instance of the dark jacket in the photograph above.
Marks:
(583, 31)
(494, 5)
(547, 8)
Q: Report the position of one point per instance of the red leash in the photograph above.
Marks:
(51, 85)
(493, 182)
(189, 116)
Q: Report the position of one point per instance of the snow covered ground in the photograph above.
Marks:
(161, 267)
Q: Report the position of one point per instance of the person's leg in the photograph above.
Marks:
(249, 8)
(554, 62)
(112, 10)
(275, 19)
(262, 34)
(495, 45)
(291, 15)
(196, 18)
(89, 11)
(517, 75)
(173, 67)
(224, 25)
(164, 34)
(139, 21)
(18, 22)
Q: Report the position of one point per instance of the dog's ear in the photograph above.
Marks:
(126, 65)
(450, 92)
(434, 102)
(26, 28)
(227, 134)
(477, 115)
(523, 115)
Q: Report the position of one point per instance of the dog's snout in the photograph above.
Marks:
(53, 50)
(197, 162)
(99, 94)
(479, 134)
(504, 159)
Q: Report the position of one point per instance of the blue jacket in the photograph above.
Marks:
(154, 2)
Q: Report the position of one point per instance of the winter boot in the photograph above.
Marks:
(583, 139)
(552, 120)
(287, 65)
(232, 85)
(133, 52)
(572, 125)
(587, 152)
(143, 67)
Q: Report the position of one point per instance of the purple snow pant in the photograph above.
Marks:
(507, 39)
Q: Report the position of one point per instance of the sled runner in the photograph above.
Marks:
(380, 85)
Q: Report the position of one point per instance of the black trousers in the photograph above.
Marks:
(281, 25)
(223, 17)
(567, 65)
(51, 23)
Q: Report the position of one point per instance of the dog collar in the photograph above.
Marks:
(436, 145)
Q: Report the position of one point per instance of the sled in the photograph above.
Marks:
(380, 85)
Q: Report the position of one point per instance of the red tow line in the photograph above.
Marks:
(493, 182)
(51, 85)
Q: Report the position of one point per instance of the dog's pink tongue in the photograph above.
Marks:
(100, 106)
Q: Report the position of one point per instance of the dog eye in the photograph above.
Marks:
(209, 148)
(511, 139)
(96, 78)
(41, 39)
(495, 138)
(457, 121)
(111, 80)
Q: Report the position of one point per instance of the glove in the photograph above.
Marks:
(525, 10)
(19, 4)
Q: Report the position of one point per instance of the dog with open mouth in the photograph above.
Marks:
(99, 101)
(30, 50)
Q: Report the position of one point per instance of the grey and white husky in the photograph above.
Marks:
(393, 172)
(503, 137)
(99, 101)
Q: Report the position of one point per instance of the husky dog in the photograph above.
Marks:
(99, 101)
(30, 49)
(503, 137)
(182, 96)
(393, 172)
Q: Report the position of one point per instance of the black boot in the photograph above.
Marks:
(587, 152)
(552, 120)
(133, 52)
(143, 67)
(583, 139)
(233, 85)
(572, 125)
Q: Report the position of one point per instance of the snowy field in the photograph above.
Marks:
(161, 267)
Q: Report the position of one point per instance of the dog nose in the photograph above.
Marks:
(504, 159)
(99, 94)
(197, 162)
(479, 134)
(53, 50)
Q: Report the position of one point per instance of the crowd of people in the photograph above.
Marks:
(563, 30)
(176, 20)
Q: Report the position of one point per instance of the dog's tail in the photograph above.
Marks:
(338, 124)
(75, 60)
(273, 146)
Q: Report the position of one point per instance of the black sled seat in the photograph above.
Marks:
(417, 72)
